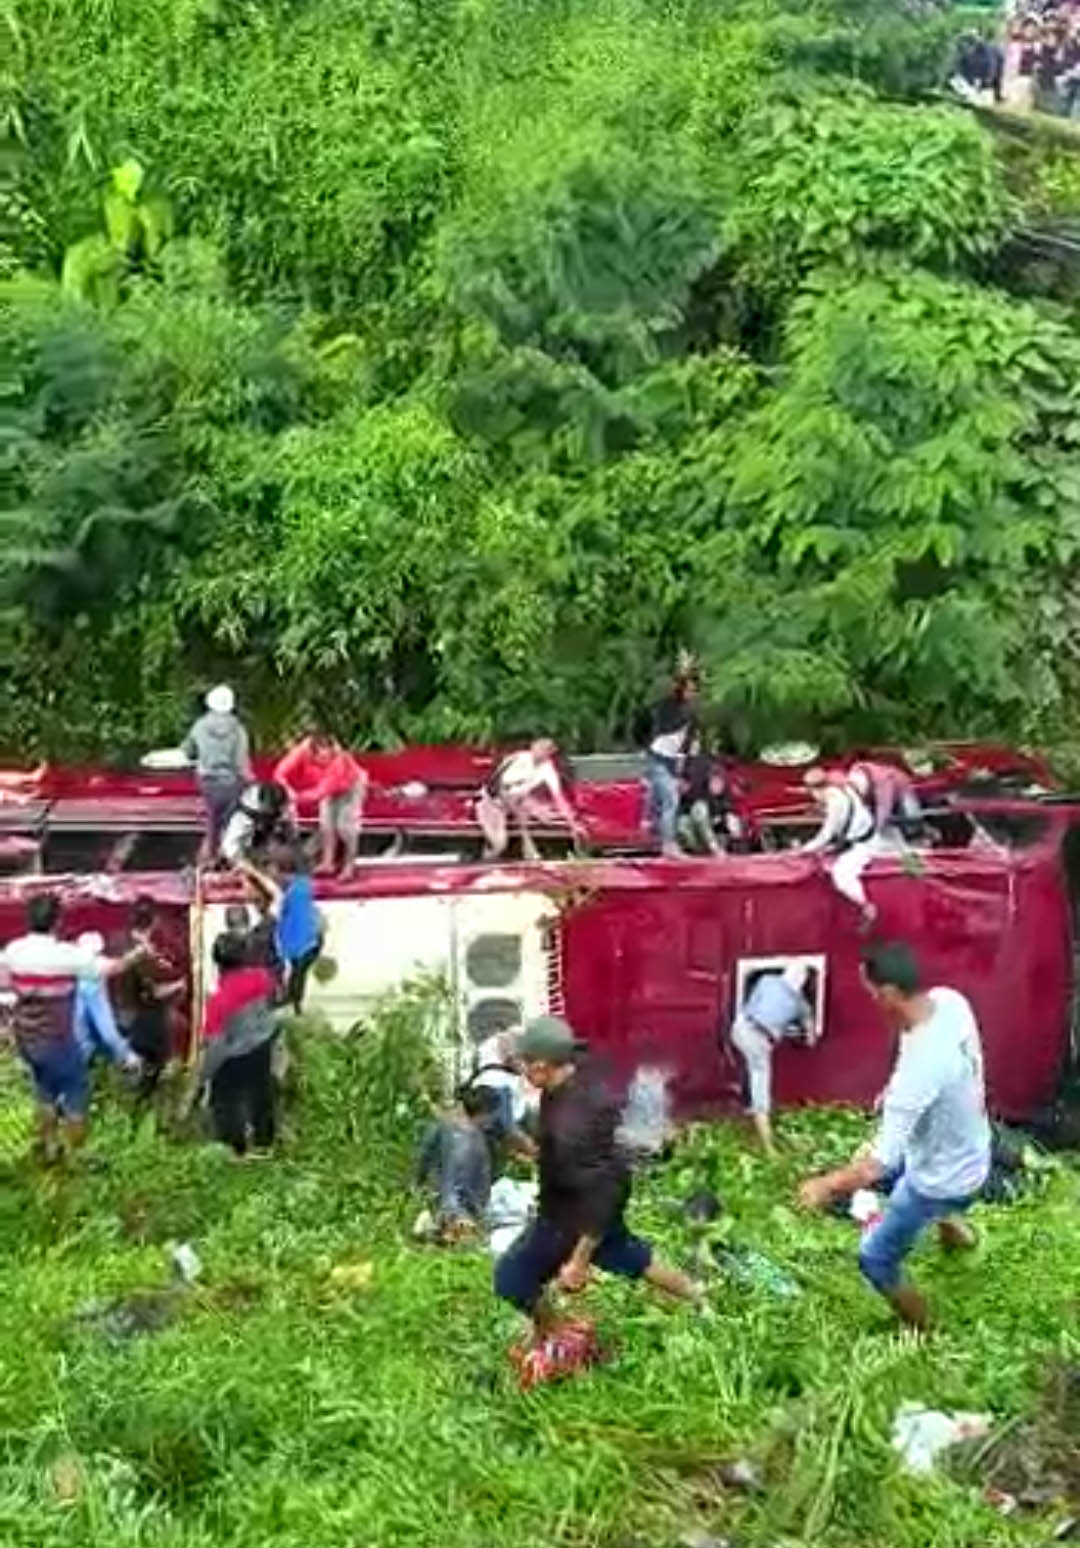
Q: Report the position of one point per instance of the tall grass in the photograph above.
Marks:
(281, 1403)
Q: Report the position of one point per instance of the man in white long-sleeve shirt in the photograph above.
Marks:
(934, 1135)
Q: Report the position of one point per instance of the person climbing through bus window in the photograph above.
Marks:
(847, 831)
(143, 994)
(933, 1144)
(44, 973)
(298, 931)
(238, 1036)
(890, 796)
(512, 794)
(584, 1190)
(672, 735)
(776, 1008)
(320, 772)
(218, 746)
(455, 1163)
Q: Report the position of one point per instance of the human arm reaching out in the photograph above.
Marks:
(907, 1096)
(287, 766)
(266, 884)
(831, 826)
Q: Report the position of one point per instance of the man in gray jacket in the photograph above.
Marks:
(218, 746)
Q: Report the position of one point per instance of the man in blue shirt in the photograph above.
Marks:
(775, 1008)
(94, 1022)
(299, 932)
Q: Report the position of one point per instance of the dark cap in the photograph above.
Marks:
(549, 1040)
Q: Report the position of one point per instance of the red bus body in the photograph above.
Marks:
(645, 951)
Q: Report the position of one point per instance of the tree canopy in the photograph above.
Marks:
(443, 366)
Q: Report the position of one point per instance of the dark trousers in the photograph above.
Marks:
(149, 1037)
(242, 1098)
(297, 977)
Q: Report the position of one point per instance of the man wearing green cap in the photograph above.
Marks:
(584, 1187)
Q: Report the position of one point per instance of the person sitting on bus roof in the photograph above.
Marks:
(218, 746)
(672, 735)
(511, 793)
(847, 831)
(320, 772)
(776, 1008)
(260, 818)
(45, 973)
(706, 820)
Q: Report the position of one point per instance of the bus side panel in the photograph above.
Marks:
(650, 976)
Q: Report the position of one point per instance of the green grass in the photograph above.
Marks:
(280, 1408)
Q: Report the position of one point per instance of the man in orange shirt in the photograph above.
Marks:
(319, 771)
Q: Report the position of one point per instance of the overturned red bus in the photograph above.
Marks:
(649, 958)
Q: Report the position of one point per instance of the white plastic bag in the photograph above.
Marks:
(921, 1434)
(646, 1123)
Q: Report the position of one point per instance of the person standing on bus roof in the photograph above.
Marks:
(933, 1144)
(45, 973)
(319, 771)
(511, 794)
(673, 735)
(218, 746)
(847, 831)
(775, 1008)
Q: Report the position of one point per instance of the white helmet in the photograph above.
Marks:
(221, 699)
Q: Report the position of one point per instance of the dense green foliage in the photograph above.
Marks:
(328, 1382)
(446, 366)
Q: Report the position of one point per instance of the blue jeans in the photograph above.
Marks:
(663, 799)
(907, 1214)
(532, 1262)
(59, 1076)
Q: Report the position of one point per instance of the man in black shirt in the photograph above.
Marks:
(584, 1187)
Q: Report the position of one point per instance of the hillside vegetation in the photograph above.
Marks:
(445, 365)
(326, 1383)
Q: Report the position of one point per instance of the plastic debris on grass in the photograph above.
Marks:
(921, 1435)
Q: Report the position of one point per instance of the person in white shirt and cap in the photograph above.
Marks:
(218, 746)
(776, 1008)
(932, 1149)
(511, 793)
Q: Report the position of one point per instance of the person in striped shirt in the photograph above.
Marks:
(44, 975)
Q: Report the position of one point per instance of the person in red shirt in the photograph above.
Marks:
(237, 1060)
(320, 772)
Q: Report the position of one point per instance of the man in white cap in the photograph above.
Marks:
(775, 1008)
(218, 746)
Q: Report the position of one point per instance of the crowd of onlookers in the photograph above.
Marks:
(1042, 57)
(1036, 65)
